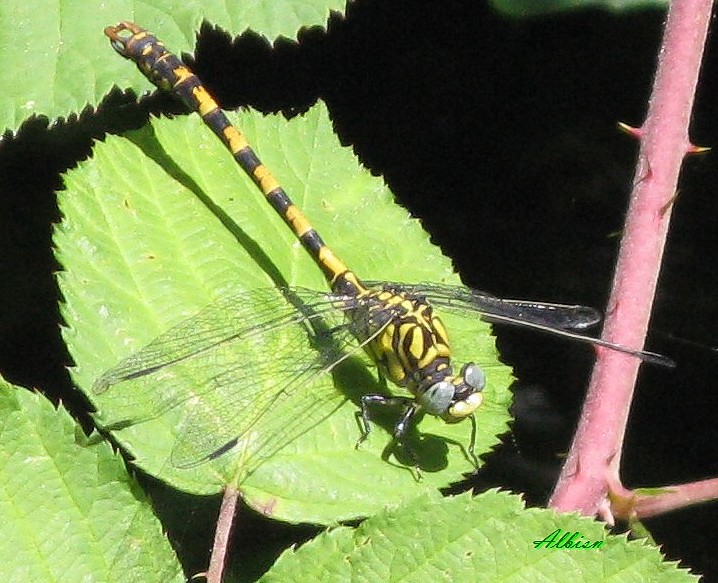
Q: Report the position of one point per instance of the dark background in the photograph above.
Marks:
(501, 136)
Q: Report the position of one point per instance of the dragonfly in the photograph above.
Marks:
(223, 347)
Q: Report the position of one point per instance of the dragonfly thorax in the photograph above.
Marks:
(409, 343)
(402, 335)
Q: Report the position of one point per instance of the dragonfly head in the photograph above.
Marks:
(455, 397)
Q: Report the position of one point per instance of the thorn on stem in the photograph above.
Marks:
(669, 204)
(630, 130)
(693, 149)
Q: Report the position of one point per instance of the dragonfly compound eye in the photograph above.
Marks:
(437, 398)
(474, 376)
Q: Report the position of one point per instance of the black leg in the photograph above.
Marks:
(364, 418)
(400, 429)
(472, 443)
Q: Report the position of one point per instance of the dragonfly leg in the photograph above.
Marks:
(401, 427)
(472, 443)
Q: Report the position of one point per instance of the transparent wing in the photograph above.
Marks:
(466, 301)
(247, 369)
(556, 319)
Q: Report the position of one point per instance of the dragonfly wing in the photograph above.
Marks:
(557, 319)
(221, 324)
(259, 403)
(466, 301)
(297, 397)
(229, 365)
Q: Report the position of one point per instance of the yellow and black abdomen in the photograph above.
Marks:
(170, 74)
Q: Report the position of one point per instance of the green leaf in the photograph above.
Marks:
(57, 61)
(70, 512)
(162, 223)
(531, 8)
(487, 538)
